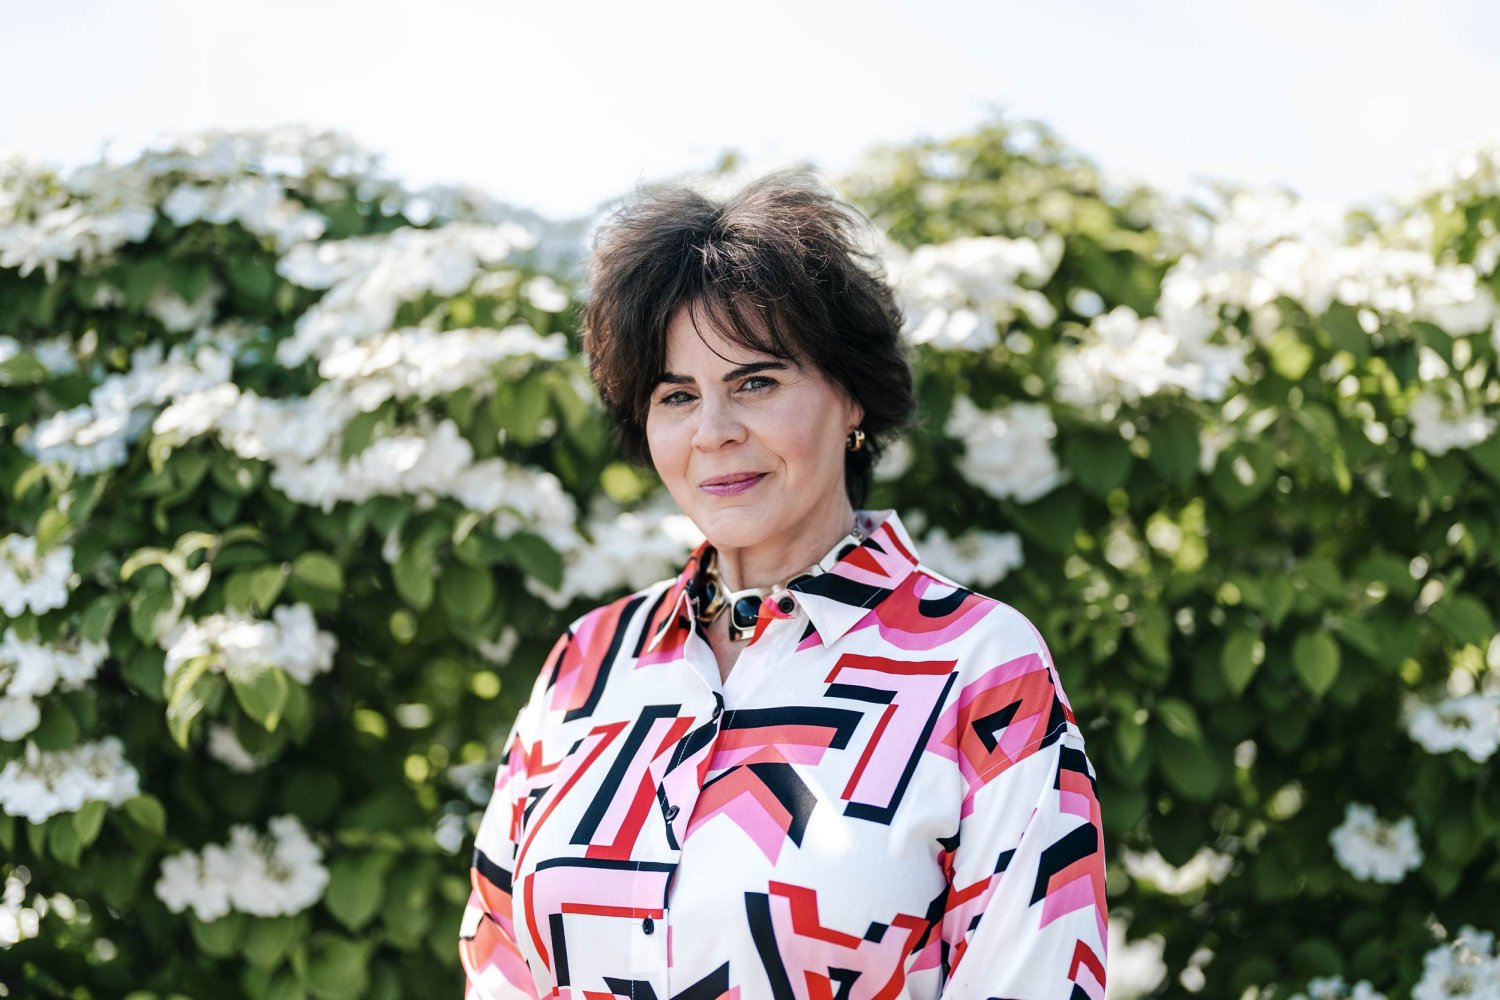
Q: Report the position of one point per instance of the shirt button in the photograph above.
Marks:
(671, 813)
(648, 925)
(786, 604)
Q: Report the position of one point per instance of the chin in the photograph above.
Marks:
(733, 527)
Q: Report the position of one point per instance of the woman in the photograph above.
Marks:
(806, 766)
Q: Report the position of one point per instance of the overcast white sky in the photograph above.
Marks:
(558, 106)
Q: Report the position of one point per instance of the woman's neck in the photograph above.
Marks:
(774, 560)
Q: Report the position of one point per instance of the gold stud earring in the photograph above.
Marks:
(856, 440)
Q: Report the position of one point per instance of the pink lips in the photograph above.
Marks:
(729, 489)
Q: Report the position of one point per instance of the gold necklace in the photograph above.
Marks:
(744, 604)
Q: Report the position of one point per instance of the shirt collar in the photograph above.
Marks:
(855, 578)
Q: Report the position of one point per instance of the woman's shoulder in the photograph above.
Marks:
(604, 620)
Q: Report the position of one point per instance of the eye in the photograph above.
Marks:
(769, 382)
(681, 399)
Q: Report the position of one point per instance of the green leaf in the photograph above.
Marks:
(88, 821)
(219, 938)
(268, 939)
(57, 729)
(520, 406)
(1344, 331)
(536, 558)
(264, 696)
(1180, 718)
(146, 811)
(413, 574)
(1188, 768)
(1130, 737)
(356, 887)
(1175, 448)
(1465, 618)
(62, 840)
(1315, 658)
(252, 277)
(320, 570)
(1100, 462)
(468, 593)
(337, 968)
(1243, 653)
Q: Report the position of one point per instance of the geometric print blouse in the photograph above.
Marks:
(887, 798)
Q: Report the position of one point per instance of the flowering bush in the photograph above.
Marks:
(303, 474)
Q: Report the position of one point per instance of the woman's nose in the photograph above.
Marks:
(717, 425)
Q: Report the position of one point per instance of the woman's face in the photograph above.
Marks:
(720, 411)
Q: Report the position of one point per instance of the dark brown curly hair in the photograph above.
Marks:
(779, 268)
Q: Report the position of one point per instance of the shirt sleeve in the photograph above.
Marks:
(1026, 915)
(494, 968)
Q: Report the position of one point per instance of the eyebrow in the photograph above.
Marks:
(732, 375)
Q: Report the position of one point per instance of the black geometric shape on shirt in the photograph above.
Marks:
(1080, 842)
(710, 987)
(625, 758)
(499, 877)
(639, 989)
(884, 696)
(559, 947)
(942, 607)
(845, 978)
(988, 727)
(876, 932)
(606, 664)
(763, 933)
(842, 589)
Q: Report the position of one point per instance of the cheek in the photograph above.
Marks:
(804, 432)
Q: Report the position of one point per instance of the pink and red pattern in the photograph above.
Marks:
(888, 798)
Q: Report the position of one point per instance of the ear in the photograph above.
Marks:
(856, 414)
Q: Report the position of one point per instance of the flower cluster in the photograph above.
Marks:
(42, 783)
(976, 558)
(1335, 988)
(243, 647)
(1374, 849)
(1466, 967)
(962, 294)
(39, 582)
(1007, 453)
(96, 435)
(1469, 722)
(1440, 422)
(29, 670)
(1124, 358)
(266, 875)
(17, 920)
(370, 277)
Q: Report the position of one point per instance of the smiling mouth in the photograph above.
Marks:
(736, 486)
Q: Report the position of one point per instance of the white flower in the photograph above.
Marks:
(1464, 967)
(42, 784)
(1335, 988)
(1007, 453)
(1125, 358)
(268, 875)
(976, 558)
(958, 295)
(243, 647)
(1373, 849)
(1440, 422)
(30, 670)
(28, 581)
(17, 920)
(546, 294)
(1470, 723)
